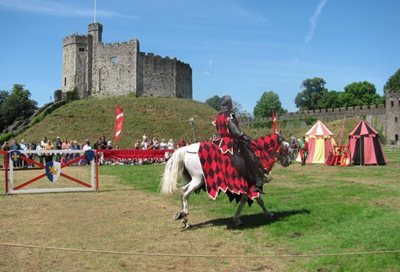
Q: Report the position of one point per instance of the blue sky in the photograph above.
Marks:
(237, 47)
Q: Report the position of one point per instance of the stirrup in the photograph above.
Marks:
(257, 189)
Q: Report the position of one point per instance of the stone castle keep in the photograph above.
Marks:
(97, 69)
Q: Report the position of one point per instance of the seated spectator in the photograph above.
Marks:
(163, 144)
(170, 144)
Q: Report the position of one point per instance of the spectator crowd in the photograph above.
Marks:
(144, 143)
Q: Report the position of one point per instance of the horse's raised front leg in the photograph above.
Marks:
(264, 209)
(236, 218)
(194, 184)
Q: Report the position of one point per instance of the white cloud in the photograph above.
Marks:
(314, 19)
(55, 9)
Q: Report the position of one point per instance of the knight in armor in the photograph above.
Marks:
(232, 140)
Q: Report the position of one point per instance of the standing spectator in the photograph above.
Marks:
(48, 156)
(40, 155)
(58, 146)
(22, 147)
(86, 146)
(303, 151)
(43, 142)
(144, 144)
(155, 144)
(109, 145)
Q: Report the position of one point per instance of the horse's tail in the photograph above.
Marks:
(173, 171)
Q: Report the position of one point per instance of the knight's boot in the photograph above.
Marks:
(258, 187)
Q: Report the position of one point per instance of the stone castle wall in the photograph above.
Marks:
(99, 69)
(384, 117)
(115, 72)
(329, 114)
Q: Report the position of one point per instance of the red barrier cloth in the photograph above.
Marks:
(135, 153)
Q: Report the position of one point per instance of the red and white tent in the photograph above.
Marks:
(365, 145)
(320, 143)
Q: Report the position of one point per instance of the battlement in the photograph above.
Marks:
(119, 44)
(75, 39)
(333, 113)
(326, 114)
(151, 56)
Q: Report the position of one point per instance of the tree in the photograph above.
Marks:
(393, 83)
(268, 102)
(16, 106)
(330, 99)
(314, 90)
(360, 93)
(214, 102)
(3, 97)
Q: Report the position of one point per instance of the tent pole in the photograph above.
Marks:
(361, 140)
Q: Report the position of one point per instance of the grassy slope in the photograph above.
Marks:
(91, 118)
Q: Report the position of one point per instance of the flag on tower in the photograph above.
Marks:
(275, 123)
(119, 120)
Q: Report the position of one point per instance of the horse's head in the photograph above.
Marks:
(270, 149)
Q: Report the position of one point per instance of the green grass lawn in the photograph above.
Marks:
(318, 210)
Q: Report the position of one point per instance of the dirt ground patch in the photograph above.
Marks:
(119, 229)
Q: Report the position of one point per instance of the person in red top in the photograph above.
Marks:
(231, 139)
(304, 152)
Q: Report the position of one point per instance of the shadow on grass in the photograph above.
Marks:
(249, 221)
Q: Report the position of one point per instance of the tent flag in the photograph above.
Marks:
(275, 123)
(119, 120)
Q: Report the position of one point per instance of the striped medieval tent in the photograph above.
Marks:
(365, 145)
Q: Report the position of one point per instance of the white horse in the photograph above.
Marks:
(187, 158)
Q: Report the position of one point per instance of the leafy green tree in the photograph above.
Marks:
(393, 83)
(214, 102)
(330, 99)
(268, 102)
(360, 93)
(3, 97)
(313, 90)
(16, 106)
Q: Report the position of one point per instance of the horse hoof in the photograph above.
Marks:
(178, 215)
(188, 226)
(237, 222)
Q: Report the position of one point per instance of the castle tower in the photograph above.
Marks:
(75, 64)
(95, 35)
(392, 117)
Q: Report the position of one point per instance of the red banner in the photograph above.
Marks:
(275, 123)
(119, 120)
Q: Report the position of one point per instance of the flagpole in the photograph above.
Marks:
(94, 12)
